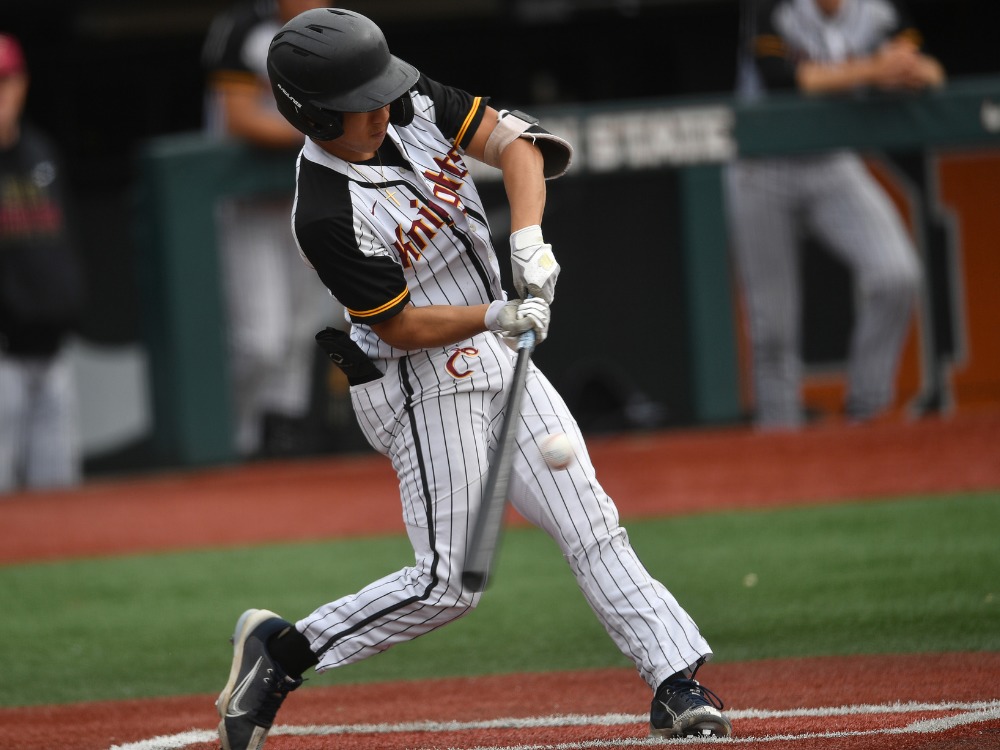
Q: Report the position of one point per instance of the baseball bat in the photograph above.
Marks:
(489, 521)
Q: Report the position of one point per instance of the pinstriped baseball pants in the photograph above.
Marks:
(39, 440)
(771, 203)
(440, 426)
(274, 305)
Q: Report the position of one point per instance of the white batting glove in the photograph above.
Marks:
(534, 267)
(512, 318)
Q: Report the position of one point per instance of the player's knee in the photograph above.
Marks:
(774, 332)
(590, 550)
(443, 581)
(773, 347)
(261, 351)
(899, 286)
(464, 600)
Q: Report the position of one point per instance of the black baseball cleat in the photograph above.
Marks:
(257, 684)
(683, 708)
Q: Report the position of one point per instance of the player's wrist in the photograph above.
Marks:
(533, 264)
(529, 236)
(492, 316)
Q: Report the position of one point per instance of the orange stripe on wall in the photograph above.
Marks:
(970, 190)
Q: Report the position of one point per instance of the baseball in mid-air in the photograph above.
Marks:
(557, 450)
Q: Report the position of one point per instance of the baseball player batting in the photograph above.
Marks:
(388, 216)
(817, 47)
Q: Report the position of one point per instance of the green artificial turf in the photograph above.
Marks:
(913, 575)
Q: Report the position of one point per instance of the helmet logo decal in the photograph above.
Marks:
(292, 99)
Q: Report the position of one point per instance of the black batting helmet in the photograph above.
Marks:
(328, 61)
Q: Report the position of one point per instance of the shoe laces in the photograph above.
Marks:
(278, 689)
(694, 687)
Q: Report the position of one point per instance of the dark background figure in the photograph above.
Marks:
(41, 298)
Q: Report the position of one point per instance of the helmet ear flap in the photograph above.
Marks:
(331, 126)
(401, 110)
(334, 127)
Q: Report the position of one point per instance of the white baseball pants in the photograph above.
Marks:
(771, 203)
(437, 415)
(39, 433)
(275, 305)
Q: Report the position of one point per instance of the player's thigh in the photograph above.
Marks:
(862, 226)
(763, 234)
(442, 458)
(54, 453)
(13, 407)
(253, 247)
(569, 504)
(437, 432)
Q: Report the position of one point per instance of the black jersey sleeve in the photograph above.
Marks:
(222, 52)
(904, 27)
(772, 54)
(364, 278)
(456, 112)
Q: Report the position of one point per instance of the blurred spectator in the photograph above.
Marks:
(42, 293)
(823, 47)
(276, 303)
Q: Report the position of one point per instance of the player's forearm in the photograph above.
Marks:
(434, 325)
(932, 72)
(522, 164)
(894, 68)
(266, 132)
(247, 120)
(821, 78)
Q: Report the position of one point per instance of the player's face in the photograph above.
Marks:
(13, 89)
(363, 134)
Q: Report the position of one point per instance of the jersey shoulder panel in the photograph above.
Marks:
(769, 60)
(765, 14)
(456, 113)
(347, 253)
(225, 43)
(893, 19)
(770, 30)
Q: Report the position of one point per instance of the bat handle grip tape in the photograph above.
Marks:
(527, 339)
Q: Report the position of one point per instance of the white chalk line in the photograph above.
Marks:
(970, 713)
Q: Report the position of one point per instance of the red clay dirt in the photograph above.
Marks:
(654, 474)
(648, 475)
(775, 684)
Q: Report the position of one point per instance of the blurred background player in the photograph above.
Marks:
(41, 298)
(823, 47)
(275, 303)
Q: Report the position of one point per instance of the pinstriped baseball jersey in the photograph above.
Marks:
(407, 226)
(785, 32)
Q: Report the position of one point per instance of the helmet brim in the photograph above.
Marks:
(397, 78)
